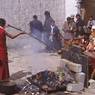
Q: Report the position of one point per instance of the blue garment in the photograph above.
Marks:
(36, 28)
(36, 33)
(36, 24)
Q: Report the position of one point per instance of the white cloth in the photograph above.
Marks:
(51, 34)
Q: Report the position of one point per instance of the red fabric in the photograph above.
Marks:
(4, 70)
(1, 71)
(92, 62)
(91, 56)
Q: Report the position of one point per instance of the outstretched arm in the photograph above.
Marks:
(12, 37)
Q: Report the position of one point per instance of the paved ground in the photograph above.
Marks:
(26, 55)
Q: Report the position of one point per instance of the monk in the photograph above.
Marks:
(4, 69)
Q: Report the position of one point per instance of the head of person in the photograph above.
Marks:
(68, 19)
(93, 28)
(91, 18)
(35, 17)
(47, 14)
(72, 17)
(78, 16)
(53, 23)
(2, 22)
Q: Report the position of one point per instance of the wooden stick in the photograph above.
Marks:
(28, 34)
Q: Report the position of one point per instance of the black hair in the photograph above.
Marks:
(35, 16)
(47, 13)
(91, 16)
(78, 15)
(68, 18)
(2, 22)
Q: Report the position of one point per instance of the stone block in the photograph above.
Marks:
(72, 66)
(80, 77)
(76, 87)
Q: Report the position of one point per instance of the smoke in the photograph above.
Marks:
(26, 44)
(25, 56)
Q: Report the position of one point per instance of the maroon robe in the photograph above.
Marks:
(4, 69)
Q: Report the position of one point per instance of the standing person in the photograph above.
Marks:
(4, 69)
(79, 26)
(49, 26)
(48, 21)
(54, 37)
(36, 27)
(73, 24)
(67, 29)
(68, 34)
(90, 23)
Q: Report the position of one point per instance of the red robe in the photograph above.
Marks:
(4, 69)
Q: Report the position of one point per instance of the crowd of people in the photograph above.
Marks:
(74, 29)
(48, 33)
(75, 32)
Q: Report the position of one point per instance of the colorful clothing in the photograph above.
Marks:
(4, 70)
(67, 28)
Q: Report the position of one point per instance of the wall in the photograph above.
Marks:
(19, 12)
(90, 8)
(70, 7)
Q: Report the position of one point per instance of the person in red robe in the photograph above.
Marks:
(4, 69)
